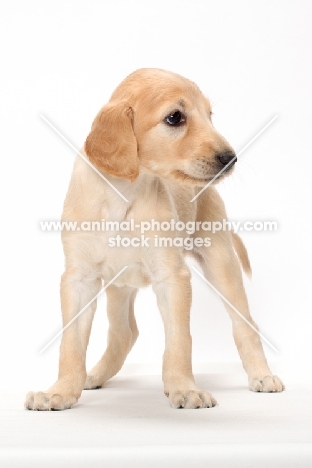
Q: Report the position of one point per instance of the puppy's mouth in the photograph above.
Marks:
(185, 177)
(202, 180)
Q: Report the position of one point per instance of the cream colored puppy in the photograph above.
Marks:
(155, 142)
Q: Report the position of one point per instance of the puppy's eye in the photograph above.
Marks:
(176, 118)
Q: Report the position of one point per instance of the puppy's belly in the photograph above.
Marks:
(135, 275)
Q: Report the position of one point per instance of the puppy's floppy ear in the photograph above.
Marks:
(111, 145)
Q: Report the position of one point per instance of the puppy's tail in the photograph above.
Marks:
(242, 254)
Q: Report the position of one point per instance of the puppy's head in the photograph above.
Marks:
(159, 122)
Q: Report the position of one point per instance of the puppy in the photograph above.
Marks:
(156, 146)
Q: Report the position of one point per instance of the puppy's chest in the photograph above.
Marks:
(131, 235)
(123, 244)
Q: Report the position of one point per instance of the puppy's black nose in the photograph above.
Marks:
(227, 157)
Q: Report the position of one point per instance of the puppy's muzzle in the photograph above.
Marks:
(226, 159)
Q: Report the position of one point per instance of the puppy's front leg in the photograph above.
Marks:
(174, 300)
(76, 292)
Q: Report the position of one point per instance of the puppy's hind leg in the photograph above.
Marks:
(221, 267)
(122, 334)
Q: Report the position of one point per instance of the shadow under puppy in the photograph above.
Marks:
(156, 145)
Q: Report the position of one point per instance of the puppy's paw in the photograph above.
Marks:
(268, 384)
(40, 401)
(93, 382)
(191, 399)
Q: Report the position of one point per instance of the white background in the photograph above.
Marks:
(63, 59)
